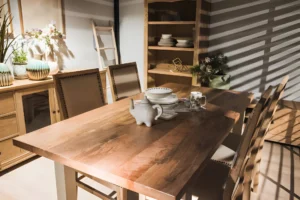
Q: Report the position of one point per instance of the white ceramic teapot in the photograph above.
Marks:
(144, 112)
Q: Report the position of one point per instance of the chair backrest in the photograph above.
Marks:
(252, 126)
(78, 91)
(124, 80)
(257, 143)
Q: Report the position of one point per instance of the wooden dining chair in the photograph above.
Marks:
(79, 92)
(218, 180)
(124, 80)
(227, 150)
(250, 167)
(265, 127)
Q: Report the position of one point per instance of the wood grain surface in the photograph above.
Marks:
(107, 144)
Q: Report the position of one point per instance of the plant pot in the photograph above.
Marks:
(20, 71)
(6, 78)
(220, 82)
(37, 70)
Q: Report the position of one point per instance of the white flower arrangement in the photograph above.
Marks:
(48, 35)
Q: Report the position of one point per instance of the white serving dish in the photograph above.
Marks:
(171, 99)
(158, 92)
(184, 41)
(167, 40)
(166, 36)
(184, 45)
(166, 44)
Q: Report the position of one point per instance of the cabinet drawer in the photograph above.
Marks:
(8, 150)
(8, 126)
(7, 103)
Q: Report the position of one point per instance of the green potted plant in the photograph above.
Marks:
(212, 72)
(19, 61)
(6, 77)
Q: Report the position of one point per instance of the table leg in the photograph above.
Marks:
(65, 182)
(122, 194)
(142, 197)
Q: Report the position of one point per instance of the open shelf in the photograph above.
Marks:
(171, 22)
(169, 72)
(170, 48)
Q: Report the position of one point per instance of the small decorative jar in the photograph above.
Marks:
(37, 70)
(6, 78)
(20, 70)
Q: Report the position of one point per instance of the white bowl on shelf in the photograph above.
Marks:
(158, 92)
(184, 41)
(166, 36)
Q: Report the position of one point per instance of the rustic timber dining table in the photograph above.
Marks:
(159, 161)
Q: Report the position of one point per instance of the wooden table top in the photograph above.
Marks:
(158, 161)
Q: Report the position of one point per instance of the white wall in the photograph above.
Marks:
(79, 35)
(261, 40)
(132, 34)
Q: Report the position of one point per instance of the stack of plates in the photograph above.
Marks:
(160, 95)
(165, 98)
(184, 43)
(166, 41)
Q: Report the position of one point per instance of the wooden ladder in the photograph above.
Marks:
(99, 49)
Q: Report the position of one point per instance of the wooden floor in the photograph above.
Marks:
(286, 126)
(279, 180)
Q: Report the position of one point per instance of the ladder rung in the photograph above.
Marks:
(101, 28)
(104, 48)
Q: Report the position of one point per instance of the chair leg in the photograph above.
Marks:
(256, 178)
(257, 172)
(122, 194)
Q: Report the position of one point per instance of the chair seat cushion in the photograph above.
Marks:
(224, 155)
(210, 183)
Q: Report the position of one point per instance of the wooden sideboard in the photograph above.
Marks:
(26, 106)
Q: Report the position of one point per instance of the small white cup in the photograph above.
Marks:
(197, 100)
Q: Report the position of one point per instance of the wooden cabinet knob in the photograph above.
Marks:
(54, 112)
(58, 111)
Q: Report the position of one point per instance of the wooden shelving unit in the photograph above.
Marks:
(181, 24)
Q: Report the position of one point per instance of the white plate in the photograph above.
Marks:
(158, 92)
(166, 45)
(184, 45)
(171, 99)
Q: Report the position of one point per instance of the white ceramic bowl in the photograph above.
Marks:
(158, 92)
(166, 36)
(184, 41)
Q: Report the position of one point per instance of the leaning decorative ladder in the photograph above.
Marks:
(99, 49)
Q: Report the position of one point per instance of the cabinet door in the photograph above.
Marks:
(34, 108)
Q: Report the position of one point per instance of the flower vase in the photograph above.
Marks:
(52, 62)
(220, 82)
(6, 78)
